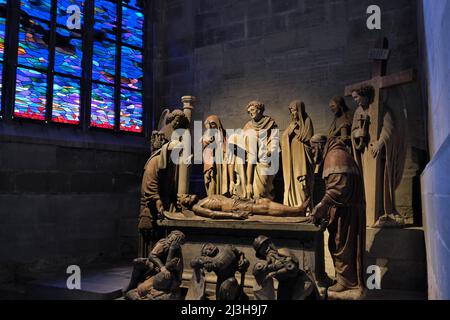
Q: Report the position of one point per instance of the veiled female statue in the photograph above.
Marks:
(298, 171)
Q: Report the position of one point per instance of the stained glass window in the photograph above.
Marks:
(68, 52)
(1, 82)
(2, 51)
(131, 111)
(131, 68)
(31, 88)
(63, 6)
(33, 44)
(102, 106)
(66, 100)
(105, 20)
(132, 26)
(2, 37)
(104, 62)
(36, 8)
(50, 81)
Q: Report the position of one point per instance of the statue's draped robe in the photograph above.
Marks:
(341, 128)
(169, 182)
(298, 171)
(266, 131)
(163, 252)
(215, 166)
(151, 187)
(344, 201)
(393, 156)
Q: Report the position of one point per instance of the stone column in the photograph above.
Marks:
(184, 168)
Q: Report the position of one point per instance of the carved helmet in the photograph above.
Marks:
(257, 245)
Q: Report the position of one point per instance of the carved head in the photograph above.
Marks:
(262, 246)
(176, 237)
(187, 201)
(158, 139)
(256, 109)
(338, 106)
(297, 109)
(318, 143)
(364, 96)
(177, 119)
(209, 250)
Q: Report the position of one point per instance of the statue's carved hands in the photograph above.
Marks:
(320, 215)
(292, 128)
(376, 149)
(242, 215)
(270, 275)
(243, 265)
(160, 209)
(166, 273)
(359, 133)
(209, 266)
(174, 145)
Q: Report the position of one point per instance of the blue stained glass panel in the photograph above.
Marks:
(66, 100)
(31, 87)
(102, 106)
(62, 15)
(33, 49)
(105, 20)
(131, 111)
(2, 36)
(132, 27)
(68, 53)
(104, 62)
(1, 75)
(37, 8)
(132, 3)
(131, 68)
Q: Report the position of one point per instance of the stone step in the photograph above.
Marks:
(96, 284)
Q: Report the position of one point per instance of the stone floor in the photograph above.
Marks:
(106, 283)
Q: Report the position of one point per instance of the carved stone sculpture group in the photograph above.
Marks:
(239, 177)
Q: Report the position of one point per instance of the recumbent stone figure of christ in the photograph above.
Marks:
(219, 207)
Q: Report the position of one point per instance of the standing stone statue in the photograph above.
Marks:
(159, 276)
(224, 262)
(154, 195)
(217, 173)
(224, 208)
(298, 171)
(342, 211)
(390, 148)
(262, 142)
(341, 127)
(283, 265)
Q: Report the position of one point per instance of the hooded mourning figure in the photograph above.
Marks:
(341, 127)
(216, 171)
(298, 171)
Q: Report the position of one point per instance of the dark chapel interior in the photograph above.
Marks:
(83, 89)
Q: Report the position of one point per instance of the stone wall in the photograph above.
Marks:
(68, 201)
(435, 185)
(229, 52)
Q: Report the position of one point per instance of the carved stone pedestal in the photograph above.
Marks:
(305, 241)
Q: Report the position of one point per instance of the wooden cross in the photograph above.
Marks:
(373, 180)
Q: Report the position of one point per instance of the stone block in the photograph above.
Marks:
(284, 5)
